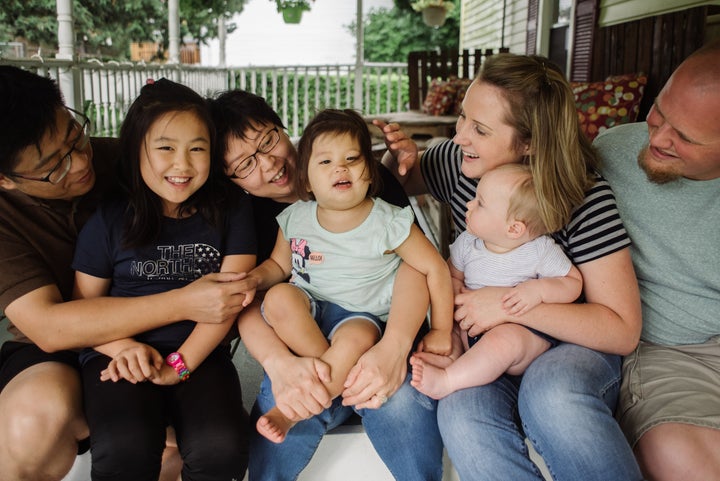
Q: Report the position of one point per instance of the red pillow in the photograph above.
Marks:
(440, 98)
(601, 105)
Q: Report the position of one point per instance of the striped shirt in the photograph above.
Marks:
(594, 231)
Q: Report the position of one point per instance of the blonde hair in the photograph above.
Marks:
(523, 202)
(542, 112)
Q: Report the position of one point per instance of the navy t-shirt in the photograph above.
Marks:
(186, 250)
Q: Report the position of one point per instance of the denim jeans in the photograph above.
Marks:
(563, 403)
(403, 431)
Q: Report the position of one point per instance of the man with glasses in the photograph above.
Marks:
(51, 180)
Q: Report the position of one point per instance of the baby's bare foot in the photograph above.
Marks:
(428, 379)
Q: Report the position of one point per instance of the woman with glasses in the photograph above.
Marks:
(401, 423)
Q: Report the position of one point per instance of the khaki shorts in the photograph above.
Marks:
(670, 384)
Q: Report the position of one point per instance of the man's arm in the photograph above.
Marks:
(53, 324)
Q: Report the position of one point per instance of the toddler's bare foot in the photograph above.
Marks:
(274, 425)
(428, 379)
(434, 359)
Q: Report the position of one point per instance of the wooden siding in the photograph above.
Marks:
(482, 24)
(654, 45)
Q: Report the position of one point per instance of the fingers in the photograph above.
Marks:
(322, 370)
(352, 376)
(375, 402)
(225, 276)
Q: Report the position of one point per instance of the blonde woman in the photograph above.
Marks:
(520, 109)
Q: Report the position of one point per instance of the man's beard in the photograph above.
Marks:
(658, 176)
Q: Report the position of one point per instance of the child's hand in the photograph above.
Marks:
(134, 364)
(167, 376)
(249, 296)
(249, 288)
(522, 298)
(437, 342)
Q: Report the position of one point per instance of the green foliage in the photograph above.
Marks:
(105, 28)
(389, 35)
(420, 5)
(323, 91)
(301, 4)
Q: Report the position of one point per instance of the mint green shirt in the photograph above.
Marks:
(355, 269)
(675, 233)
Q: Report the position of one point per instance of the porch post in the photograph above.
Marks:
(222, 38)
(359, 57)
(174, 31)
(68, 78)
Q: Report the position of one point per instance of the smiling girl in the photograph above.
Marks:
(178, 222)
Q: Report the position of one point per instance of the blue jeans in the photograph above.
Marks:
(403, 431)
(564, 403)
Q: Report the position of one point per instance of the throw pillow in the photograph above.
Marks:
(440, 98)
(601, 105)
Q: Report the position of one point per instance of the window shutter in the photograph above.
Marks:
(584, 32)
(532, 25)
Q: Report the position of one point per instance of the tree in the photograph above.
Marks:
(390, 34)
(105, 28)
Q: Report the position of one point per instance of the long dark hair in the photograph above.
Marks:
(145, 214)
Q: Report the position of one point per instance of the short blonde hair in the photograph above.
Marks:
(523, 201)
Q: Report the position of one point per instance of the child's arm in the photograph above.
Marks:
(276, 268)
(458, 278)
(131, 360)
(548, 290)
(419, 253)
(204, 337)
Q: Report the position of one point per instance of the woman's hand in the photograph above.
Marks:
(376, 376)
(402, 147)
(480, 310)
(214, 297)
(297, 385)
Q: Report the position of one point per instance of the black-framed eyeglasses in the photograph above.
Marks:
(58, 172)
(248, 164)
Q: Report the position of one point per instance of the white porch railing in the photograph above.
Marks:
(104, 91)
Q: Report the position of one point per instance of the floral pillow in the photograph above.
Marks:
(601, 105)
(440, 98)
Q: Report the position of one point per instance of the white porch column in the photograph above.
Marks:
(174, 31)
(222, 39)
(66, 51)
(359, 57)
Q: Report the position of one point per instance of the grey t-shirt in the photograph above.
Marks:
(675, 232)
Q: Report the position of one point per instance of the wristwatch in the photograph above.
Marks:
(175, 361)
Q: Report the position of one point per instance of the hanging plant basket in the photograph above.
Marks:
(434, 16)
(292, 14)
(292, 10)
(434, 12)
